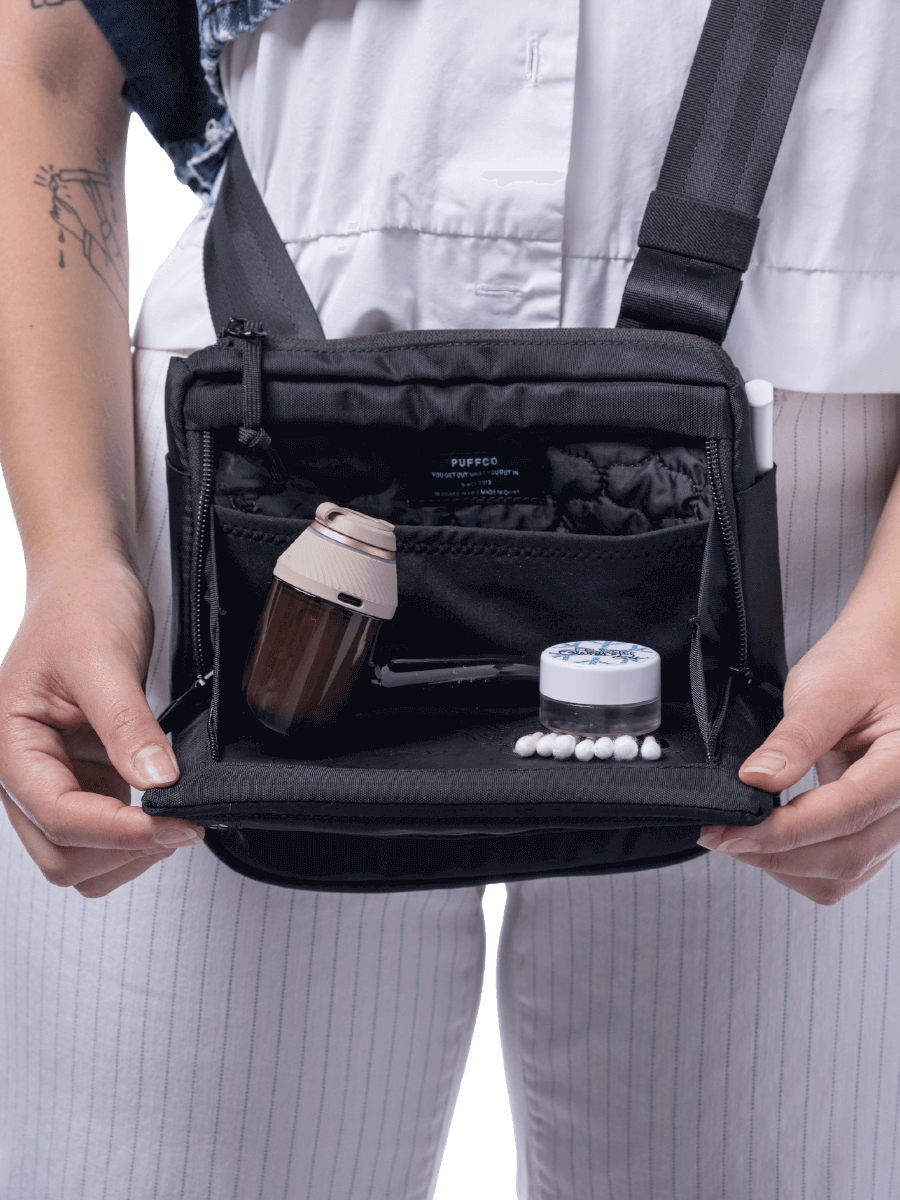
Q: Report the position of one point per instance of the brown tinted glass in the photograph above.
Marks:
(307, 656)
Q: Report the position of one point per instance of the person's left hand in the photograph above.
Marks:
(841, 714)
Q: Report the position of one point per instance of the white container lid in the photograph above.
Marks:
(598, 672)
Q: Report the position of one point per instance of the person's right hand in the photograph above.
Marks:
(76, 731)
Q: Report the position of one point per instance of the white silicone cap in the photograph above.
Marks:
(350, 576)
(598, 672)
(362, 528)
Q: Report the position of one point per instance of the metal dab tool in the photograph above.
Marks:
(403, 672)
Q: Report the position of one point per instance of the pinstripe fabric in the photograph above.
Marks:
(689, 1033)
(202, 1035)
(703, 1032)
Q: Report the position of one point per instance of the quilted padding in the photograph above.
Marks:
(582, 487)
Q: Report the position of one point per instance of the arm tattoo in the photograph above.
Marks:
(84, 209)
(46, 3)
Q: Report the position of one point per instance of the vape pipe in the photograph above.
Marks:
(403, 672)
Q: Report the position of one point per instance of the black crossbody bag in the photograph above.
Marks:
(637, 516)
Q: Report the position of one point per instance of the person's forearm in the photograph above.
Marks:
(66, 429)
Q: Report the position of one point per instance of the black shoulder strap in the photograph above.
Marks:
(701, 221)
(248, 272)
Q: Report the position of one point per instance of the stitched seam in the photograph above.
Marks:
(487, 237)
(628, 258)
(485, 289)
(511, 237)
(651, 456)
(692, 536)
(602, 481)
(536, 552)
(820, 270)
(290, 805)
(613, 341)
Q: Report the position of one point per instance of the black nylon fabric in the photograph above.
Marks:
(449, 791)
(471, 379)
(635, 515)
(683, 225)
(737, 101)
(700, 223)
(330, 862)
(611, 379)
(461, 780)
(247, 271)
(478, 591)
(671, 291)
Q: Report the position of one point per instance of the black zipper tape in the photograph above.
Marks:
(725, 522)
(251, 335)
(201, 522)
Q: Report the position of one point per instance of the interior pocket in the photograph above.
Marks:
(479, 592)
(539, 480)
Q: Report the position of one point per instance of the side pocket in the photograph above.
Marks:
(710, 679)
(758, 531)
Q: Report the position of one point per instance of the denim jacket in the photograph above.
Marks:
(169, 51)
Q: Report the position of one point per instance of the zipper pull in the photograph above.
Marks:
(250, 335)
(744, 674)
(240, 327)
(185, 707)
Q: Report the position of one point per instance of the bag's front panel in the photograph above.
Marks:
(582, 385)
(527, 513)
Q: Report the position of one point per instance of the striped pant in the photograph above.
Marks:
(696, 1032)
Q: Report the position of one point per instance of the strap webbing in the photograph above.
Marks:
(700, 224)
(248, 272)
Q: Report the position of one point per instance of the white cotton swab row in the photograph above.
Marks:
(566, 745)
(527, 745)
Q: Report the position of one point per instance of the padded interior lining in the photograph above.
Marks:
(593, 487)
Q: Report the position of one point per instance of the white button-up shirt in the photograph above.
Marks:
(485, 164)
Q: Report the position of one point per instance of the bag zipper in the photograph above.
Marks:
(733, 563)
(185, 707)
(250, 335)
(203, 499)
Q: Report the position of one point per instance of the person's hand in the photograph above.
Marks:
(76, 730)
(841, 713)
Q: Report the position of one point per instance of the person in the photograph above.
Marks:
(703, 1030)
